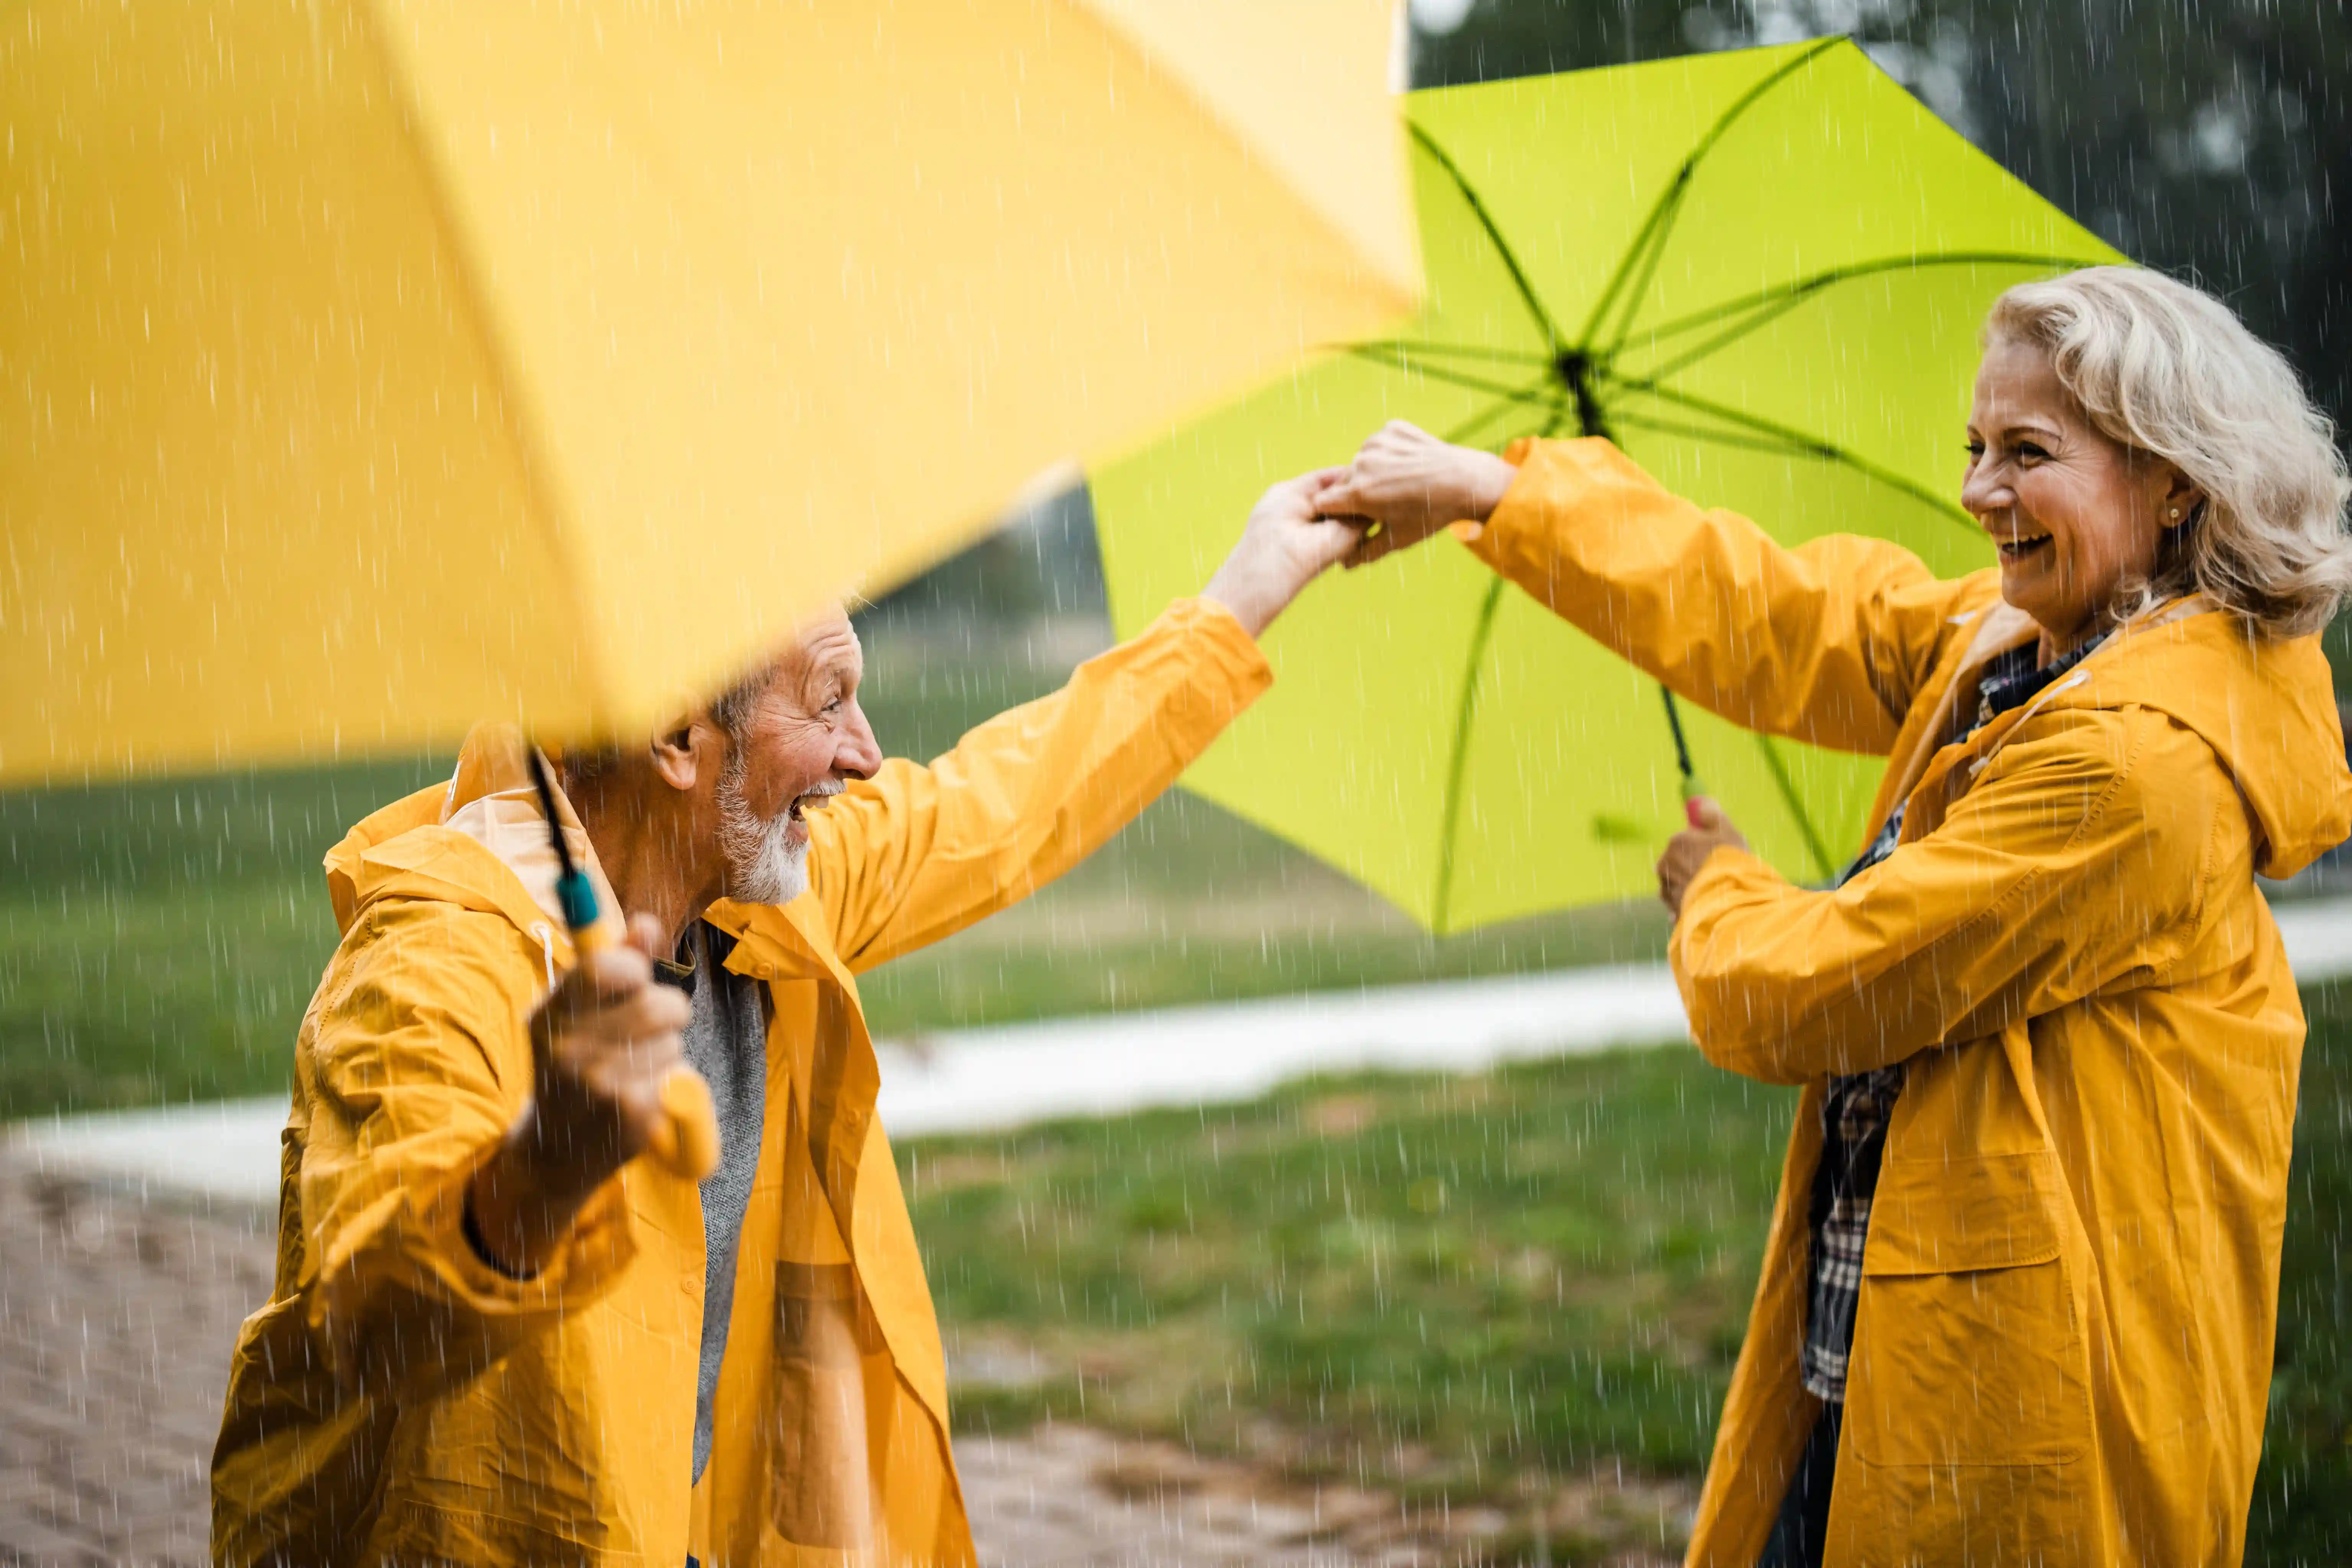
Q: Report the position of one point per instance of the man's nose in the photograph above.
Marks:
(859, 755)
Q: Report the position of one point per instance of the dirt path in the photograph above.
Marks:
(107, 1401)
(116, 1319)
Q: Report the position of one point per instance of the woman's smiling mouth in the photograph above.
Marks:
(2020, 548)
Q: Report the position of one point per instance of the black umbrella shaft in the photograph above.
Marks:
(1576, 370)
(1674, 722)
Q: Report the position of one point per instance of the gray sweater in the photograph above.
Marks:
(727, 1042)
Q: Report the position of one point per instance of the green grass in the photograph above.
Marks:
(1438, 1284)
(1457, 1287)
(158, 942)
(2303, 1498)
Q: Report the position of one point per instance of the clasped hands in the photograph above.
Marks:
(1406, 485)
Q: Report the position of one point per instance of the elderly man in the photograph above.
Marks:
(496, 1336)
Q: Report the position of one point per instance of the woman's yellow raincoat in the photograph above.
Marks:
(398, 1401)
(2062, 1348)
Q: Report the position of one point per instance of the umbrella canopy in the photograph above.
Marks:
(1763, 273)
(376, 366)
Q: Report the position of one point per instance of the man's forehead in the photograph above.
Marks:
(828, 637)
(823, 648)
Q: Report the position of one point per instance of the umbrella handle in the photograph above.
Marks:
(1691, 790)
(686, 1142)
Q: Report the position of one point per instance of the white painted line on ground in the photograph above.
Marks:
(224, 1150)
(2318, 937)
(978, 1079)
(1017, 1073)
(1005, 1076)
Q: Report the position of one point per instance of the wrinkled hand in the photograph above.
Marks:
(1411, 484)
(1286, 544)
(602, 1042)
(1687, 851)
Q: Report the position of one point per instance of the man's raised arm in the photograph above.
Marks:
(917, 853)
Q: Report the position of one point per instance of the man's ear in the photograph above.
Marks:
(673, 753)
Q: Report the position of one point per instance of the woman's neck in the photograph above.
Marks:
(2055, 646)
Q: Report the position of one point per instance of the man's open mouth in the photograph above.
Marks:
(813, 801)
(2019, 548)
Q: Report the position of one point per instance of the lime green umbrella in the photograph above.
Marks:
(1763, 273)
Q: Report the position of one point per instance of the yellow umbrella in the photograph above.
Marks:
(375, 367)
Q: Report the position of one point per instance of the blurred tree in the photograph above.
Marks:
(1041, 562)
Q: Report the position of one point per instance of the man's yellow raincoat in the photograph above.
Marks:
(2063, 1349)
(399, 1401)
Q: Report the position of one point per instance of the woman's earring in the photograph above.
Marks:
(2176, 514)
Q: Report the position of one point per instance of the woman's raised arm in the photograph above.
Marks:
(1827, 642)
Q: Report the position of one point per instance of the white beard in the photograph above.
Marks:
(761, 867)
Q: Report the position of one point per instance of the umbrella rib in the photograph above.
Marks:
(1471, 426)
(1804, 444)
(1788, 797)
(1744, 441)
(1520, 278)
(1755, 317)
(1406, 346)
(1747, 315)
(1377, 355)
(1649, 248)
(1458, 763)
(1650, 241)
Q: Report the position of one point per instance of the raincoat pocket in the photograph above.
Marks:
(822, 1493)
(1969, 1348)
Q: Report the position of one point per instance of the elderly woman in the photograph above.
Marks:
(2020, 1295)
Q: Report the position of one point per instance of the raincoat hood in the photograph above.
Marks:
(479, 841)
(2265, 706)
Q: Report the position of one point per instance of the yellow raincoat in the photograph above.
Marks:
(2062, 1348)
(397, 1400)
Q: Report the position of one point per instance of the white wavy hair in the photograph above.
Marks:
(2167, 369)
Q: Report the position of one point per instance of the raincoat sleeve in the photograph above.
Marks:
(420, 1061)
(1828, 642)
(2074, 867)
(917, 853)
